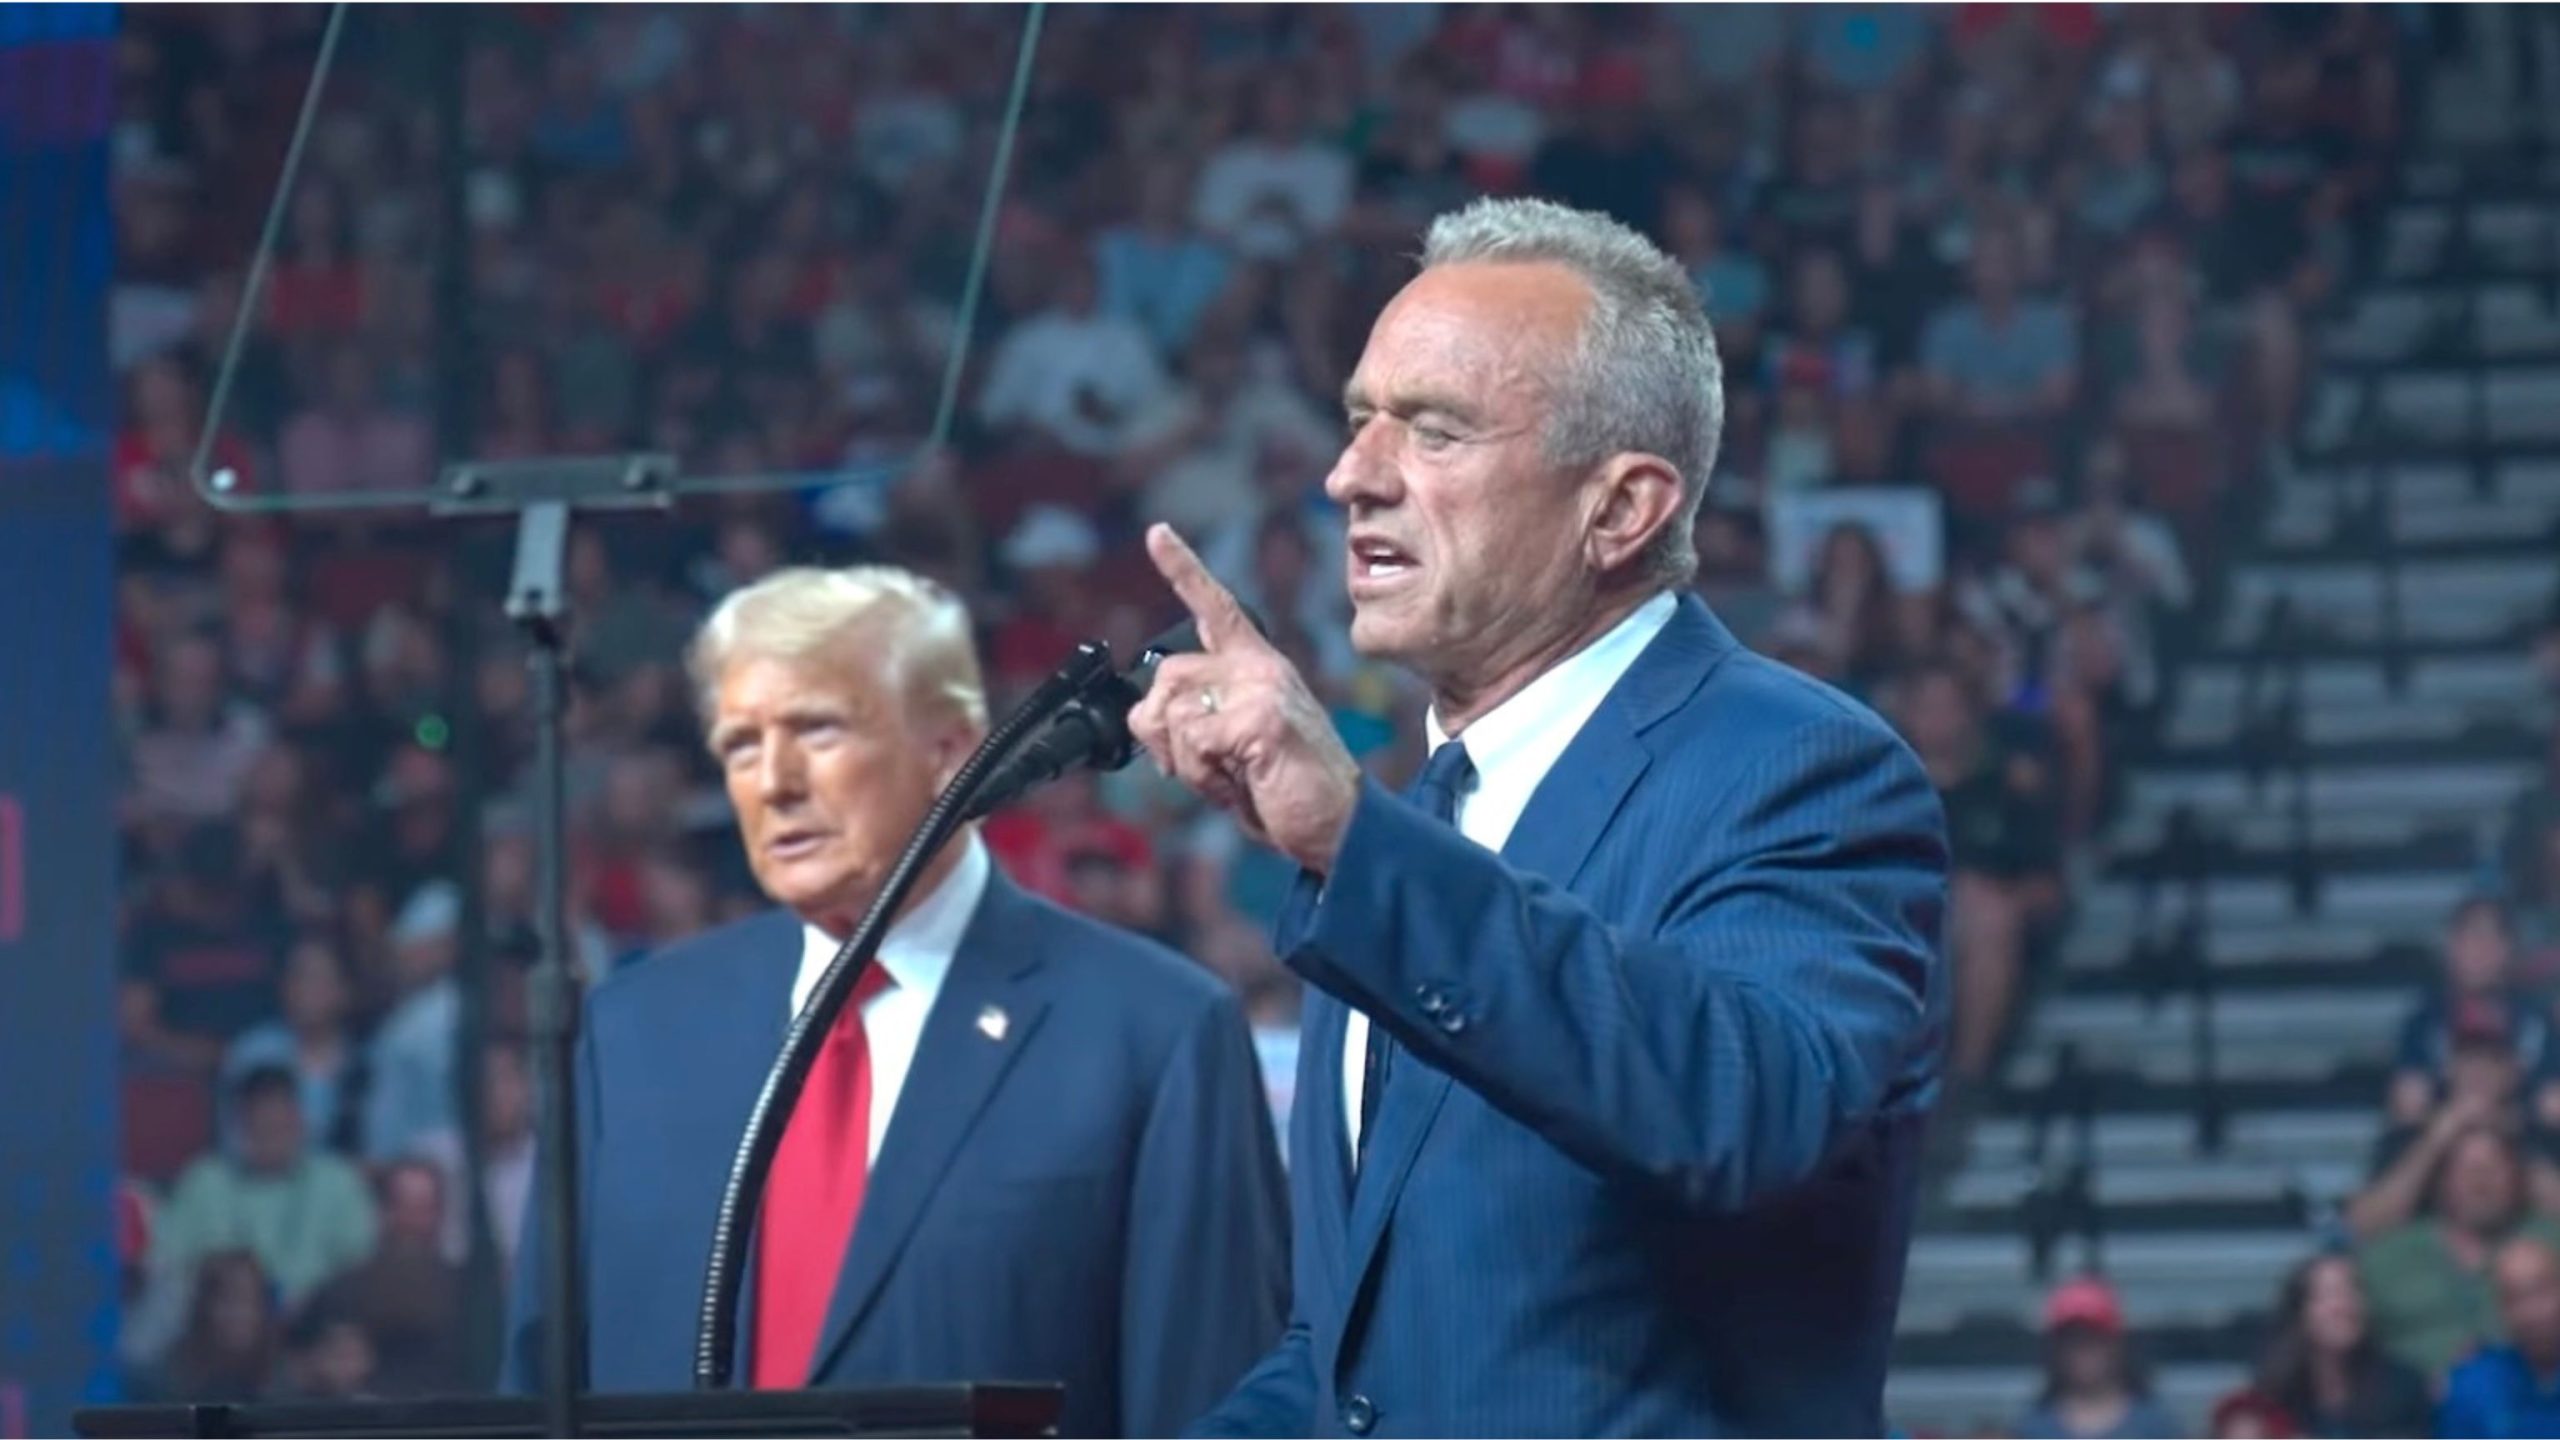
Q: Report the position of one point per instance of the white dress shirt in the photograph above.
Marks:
(1512, 747)
(916, 954)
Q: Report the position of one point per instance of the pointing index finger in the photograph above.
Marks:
(1222, 621)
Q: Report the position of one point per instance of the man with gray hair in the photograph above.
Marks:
(1032, 1148)
(1624, 1023)
(2512, 1387)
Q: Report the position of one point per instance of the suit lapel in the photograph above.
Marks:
(1324, 1136)
(1404, 1116)
(762, 1017)
(956, 1070)
(1556, 834)
(1553, 838)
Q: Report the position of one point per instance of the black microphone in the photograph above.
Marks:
(1090, 731)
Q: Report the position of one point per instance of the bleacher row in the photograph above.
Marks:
(2324, 789)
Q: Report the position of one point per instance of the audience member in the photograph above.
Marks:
(1275, 190)
(331, 1357)
(1154, 270)
(2482, 1087)
(1733, 571)
(2325, 1373)
(2094, 1388)
(2140, 573)
(302, 1215)
(2002, 821)
(2002, 365)
(191, 762)
(2428, 1280)
(2476, 997)
(313, 1040)
(2513, 1388)
(228, 1350)
(200, 958)
(2537, 915)
(506, 1157)
(351, 441)
(410, 1058)
(1731, 281)
(406, 1296)
(2247, 1415)
(1855, 611)
(1075, 375)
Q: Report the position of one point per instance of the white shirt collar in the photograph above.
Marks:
(1526, 733)
(918, 949)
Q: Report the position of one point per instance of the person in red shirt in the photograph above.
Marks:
(165, 411)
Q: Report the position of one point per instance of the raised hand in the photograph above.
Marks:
(1238, 725)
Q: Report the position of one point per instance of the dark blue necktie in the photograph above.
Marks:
(1435, 793)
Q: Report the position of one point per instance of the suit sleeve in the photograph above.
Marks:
(1207, 1279)
(520, 1360)
(1785, 997)
(1276, 1397)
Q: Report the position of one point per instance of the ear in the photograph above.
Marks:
(954, 741)
(1633, 496)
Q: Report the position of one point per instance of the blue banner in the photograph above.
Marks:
(58, 1110)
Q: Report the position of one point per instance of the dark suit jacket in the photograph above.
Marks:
(1095, 1198)
(1646, 1163)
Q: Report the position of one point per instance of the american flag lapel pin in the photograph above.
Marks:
(993, 1022)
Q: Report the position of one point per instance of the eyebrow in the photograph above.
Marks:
(1413, 402)
(803, 713)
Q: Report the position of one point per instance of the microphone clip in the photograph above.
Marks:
(1085, 718)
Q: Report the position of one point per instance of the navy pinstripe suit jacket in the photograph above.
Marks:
(1647, 1162)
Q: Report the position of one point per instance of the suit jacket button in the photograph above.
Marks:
(1452, 1022)
(1432, 1001)
(1358, 1415)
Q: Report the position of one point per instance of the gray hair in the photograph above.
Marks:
(919, 630)
(1645, 378)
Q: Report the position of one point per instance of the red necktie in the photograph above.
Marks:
(813, 1196)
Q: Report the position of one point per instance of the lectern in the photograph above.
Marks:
(960, 1410)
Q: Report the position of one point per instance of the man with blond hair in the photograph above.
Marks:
(1033, 1148)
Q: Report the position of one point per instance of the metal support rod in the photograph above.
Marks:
(538, 607)
(447, 37)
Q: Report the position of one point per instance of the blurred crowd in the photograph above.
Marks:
(2012, 301)
(2432, 1305)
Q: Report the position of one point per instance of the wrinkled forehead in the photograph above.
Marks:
(1493, 334)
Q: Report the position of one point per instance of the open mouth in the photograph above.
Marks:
(1378, 560)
